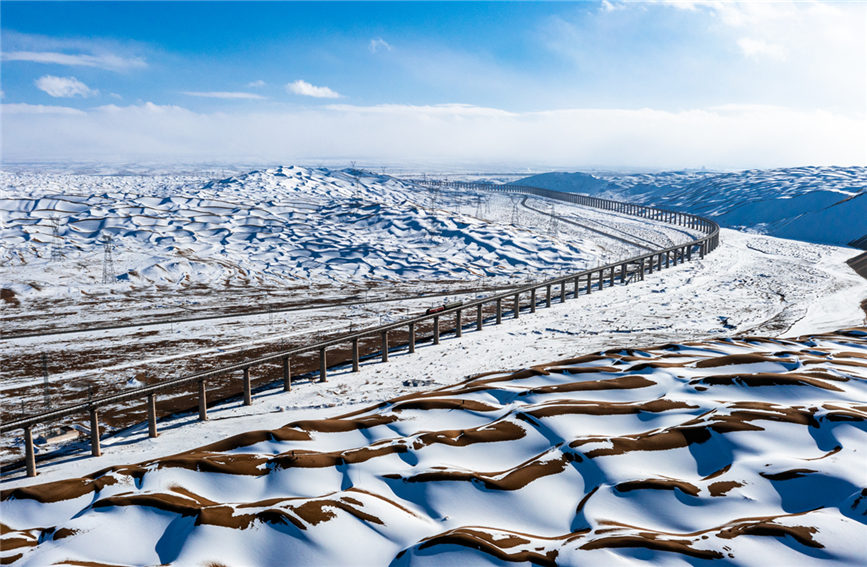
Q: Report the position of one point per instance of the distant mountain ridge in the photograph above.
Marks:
(567, 182)
(826, 205)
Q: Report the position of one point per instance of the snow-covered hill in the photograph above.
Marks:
(748, 451)
(816, 204)
(265, 227)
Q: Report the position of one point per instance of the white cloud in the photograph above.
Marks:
(24, 108)
(452, 110)
(103, 61)
(66, 87)
(728, 137)
(256, 84)
(304, 88)
(607, 6)
(759, 48)
(377, 44)
(225, 95)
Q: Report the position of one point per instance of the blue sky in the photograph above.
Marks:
(652, 84)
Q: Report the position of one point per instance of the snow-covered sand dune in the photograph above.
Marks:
(269, 227)
(747, 450)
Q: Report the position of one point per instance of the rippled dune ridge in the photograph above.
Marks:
(749, 451)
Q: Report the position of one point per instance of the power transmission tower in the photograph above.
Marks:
(107, 260)
(552, 223)
(56, 241)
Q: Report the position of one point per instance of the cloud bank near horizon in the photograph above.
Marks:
(725, 137)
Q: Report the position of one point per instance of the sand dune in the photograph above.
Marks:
(747, 451)
(270, 226)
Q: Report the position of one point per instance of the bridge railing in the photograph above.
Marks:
(524, 298)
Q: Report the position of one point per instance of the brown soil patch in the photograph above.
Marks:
(492, 545)
(8, 296)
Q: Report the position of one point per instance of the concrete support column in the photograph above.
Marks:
(516, 309)
(479, 318)
(575, 295)
(355, 357)
(601, 282)
(152, 416)
(29, 453)
(563, 291)
(323, 365)
(287, 375)
(436, 330)
(548, 295)
(499, 310)
(458, 323)
(623, 273)
(533, 300)
(248, 391)
(384, 342)
(412, 337)
(203, 401)
(95, 449)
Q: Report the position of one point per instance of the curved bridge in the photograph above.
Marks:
(523, 299)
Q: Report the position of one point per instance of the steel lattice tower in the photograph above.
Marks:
(56, 241)
(553, 224)
(107, 260)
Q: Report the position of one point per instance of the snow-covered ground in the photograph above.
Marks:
(478, 470)
(751, 284)
(291, 253)
(288, 235)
